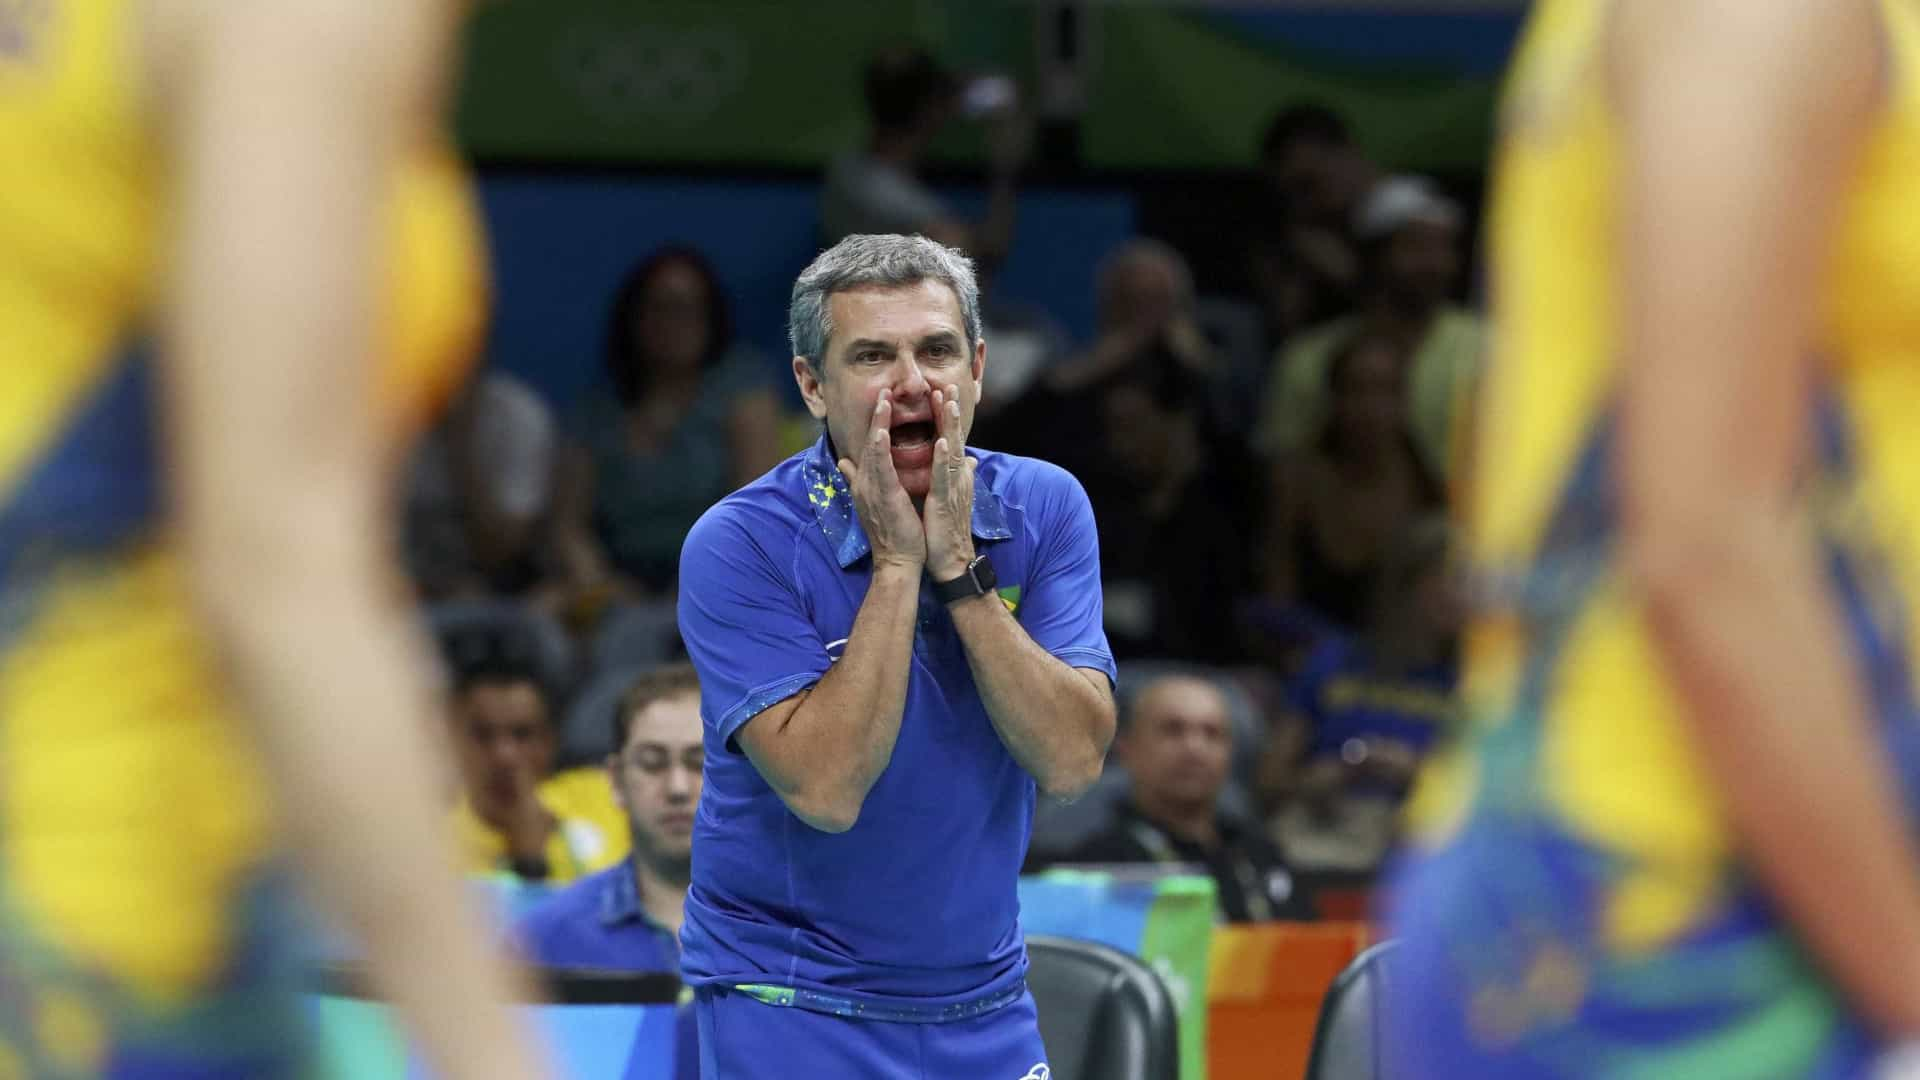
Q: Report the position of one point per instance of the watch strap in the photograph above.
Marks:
(967, 585)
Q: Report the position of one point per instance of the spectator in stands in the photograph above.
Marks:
(1338, 505)
(1411, 245)
(878, 188)
(1303, 258)
(1174, 557)
(690, 416)
(1027, 341)
(1176, 743)
(1372, 708)
(480, 493)
(1146, 304)
(514, 816)
(627, 917)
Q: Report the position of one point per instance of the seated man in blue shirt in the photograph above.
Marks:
(627, 917)
(899, 645)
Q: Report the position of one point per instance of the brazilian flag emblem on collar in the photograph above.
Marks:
(1010, 596)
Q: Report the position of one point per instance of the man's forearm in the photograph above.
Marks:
(1053, 720)
(851, 720)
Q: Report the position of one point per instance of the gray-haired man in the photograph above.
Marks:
(898, 641)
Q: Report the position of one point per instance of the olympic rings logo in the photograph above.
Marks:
(631, 73)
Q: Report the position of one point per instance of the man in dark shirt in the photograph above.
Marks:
(1176, 743)
(1174, 556)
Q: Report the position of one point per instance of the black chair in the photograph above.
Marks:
(1349, 1039)
(1104, 1015)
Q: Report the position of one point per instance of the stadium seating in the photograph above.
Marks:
(1349, 1041)
(1104, 1015)
(1265, 987)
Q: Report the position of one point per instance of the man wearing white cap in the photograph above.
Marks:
(1410, 240)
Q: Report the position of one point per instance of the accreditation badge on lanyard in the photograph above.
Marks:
(1262, 896)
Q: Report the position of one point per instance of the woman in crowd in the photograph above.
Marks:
(1338, 506)
(689, 415)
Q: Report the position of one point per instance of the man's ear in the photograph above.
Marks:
(808, 378)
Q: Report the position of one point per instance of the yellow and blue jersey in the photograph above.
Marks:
(136, 846)
(1575, 903)
(592, 832)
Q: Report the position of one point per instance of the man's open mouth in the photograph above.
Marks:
(913, 434)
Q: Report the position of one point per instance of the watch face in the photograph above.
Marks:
(983, 574)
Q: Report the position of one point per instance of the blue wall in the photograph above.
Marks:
(1467, 42)
(562, 243)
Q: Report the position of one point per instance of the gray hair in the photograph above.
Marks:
(886, 260)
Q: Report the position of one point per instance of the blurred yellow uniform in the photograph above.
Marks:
(136, 848)
(1577, 907)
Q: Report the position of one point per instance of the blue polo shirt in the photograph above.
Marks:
(912, 913)
(597, 922)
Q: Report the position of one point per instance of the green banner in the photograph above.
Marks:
(761, 83)
(1173, 89)
(358, 1041)
(1166, 919)
(1178, 942)
(753, 83)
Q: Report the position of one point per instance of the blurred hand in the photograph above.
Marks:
(1128, 339)
(1327, 253)
(528, 822)
(894, 531)
(1117, 346)
(1186, 341)
(949, 506)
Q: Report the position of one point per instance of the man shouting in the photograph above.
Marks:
(899, 641)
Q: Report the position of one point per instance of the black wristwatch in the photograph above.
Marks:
(979, 580)
(530, 869)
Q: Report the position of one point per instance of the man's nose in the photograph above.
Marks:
(909, 382)
(680, 783)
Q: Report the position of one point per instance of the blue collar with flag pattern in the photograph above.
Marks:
(832, 504)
